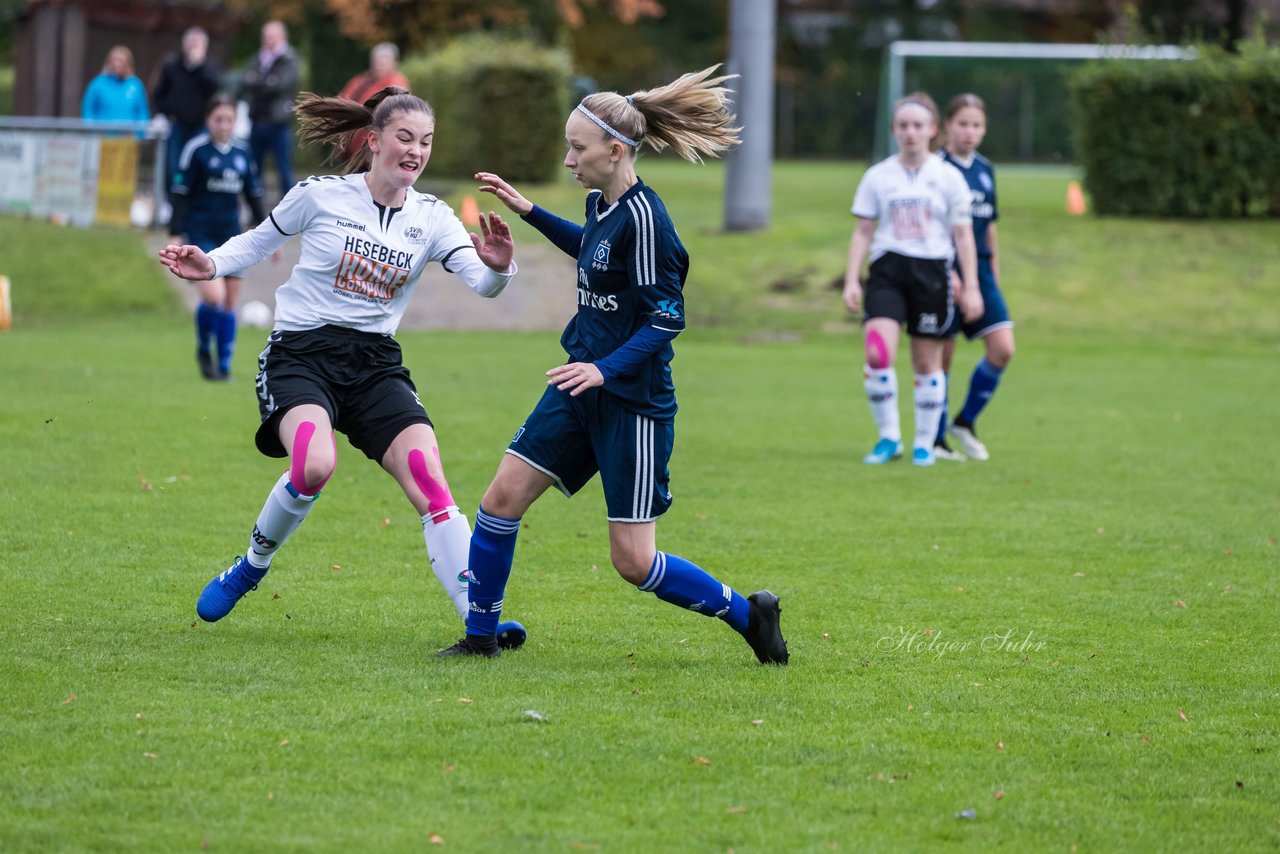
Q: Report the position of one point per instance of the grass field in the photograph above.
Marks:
(1071, 647)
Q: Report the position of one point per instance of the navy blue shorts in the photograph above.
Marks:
(209, 236)
(569, 439)
(995, 314)
(356, 377)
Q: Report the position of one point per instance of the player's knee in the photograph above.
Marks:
(1000, 353)
(877, 351)
(632, 566)
(312, 460)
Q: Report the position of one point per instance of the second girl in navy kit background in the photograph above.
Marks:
(214, 170)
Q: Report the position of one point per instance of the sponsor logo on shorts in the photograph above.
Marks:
(928, 323)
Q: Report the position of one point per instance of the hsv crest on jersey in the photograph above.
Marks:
(600, 259)
(413, 232)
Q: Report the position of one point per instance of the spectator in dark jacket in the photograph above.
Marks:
(187, 81)
(269, 84)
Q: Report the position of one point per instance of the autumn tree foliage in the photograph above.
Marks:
(415, 22)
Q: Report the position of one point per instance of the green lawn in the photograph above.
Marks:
(1075, 641)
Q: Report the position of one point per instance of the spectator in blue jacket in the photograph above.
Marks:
(116, 95)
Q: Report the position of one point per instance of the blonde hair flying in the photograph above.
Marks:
(689, 115)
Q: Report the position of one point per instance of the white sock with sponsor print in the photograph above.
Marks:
(930, 397)
(882, 394)
(448, 549)
(281, 515)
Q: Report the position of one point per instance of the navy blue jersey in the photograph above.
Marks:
(631, 272)
(212, 178)
(981, 178)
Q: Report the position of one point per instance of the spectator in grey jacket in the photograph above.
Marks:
(269, 84)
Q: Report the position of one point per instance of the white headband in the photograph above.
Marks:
(606, 127)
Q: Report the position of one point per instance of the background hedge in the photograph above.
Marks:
(1194, 138)
(500, 106)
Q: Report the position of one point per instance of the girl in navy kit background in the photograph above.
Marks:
(965, 120)
(611, 407)
(214, 171)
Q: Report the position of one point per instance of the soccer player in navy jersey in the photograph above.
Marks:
(214, 171)
(331, 362)
(965, 122)
(611, 407)
(913, 218)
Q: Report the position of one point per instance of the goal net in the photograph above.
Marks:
(1024, 85)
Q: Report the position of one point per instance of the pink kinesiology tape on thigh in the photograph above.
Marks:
(877, 352)
(437, 492)
(298, 463)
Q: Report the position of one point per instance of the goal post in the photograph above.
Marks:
(1023, 83)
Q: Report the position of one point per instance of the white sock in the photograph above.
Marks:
(449, 550)
(281, 515)
(930, 397)
(882, 394)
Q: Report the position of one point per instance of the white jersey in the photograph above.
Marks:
(360, 261)
(915, 208)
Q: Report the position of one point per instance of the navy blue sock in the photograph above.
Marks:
(493, 546)
(946, 399)
(982, 385)
(674, 579)
(206, 319)
(225, 331)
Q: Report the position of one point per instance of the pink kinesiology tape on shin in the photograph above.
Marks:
(877, 352)
(298, 461)
(438, 496)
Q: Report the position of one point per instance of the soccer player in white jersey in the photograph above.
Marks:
(610, 409)
(331, 362)
(913, 212)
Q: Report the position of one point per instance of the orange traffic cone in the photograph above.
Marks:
(1075, 199)
(470, 215)
(6, 308)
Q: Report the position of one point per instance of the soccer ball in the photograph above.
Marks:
(255, 313)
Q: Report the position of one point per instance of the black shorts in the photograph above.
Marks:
(357, 377)
(913, 291)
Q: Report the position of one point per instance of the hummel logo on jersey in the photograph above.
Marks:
(348, 224)
(669, 308)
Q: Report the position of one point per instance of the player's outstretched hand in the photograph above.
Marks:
(494, 244)
(575, 377)
(187, 262)
(507, 194)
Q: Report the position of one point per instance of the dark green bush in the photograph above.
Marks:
(500, 106)
(1193, 138)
